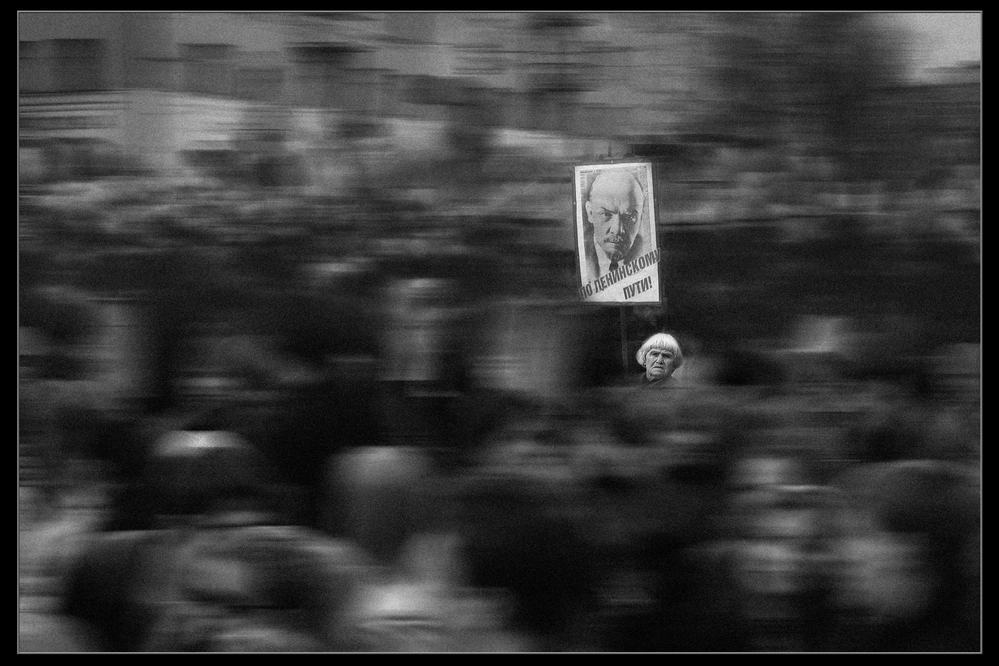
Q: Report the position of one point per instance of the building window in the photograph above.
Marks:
(262, 84)
(208, 68)
(411, 27)
(153, 73)
(321, 74)
(31, 73)
(315, 83)
(78, 64)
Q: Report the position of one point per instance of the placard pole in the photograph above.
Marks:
(624, 339)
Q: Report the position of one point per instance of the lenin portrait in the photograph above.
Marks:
(614, 225)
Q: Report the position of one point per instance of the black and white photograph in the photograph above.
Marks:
(616, 233)
(499, 332)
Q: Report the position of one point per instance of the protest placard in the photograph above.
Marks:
(617, 250)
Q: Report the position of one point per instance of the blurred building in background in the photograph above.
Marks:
(188, 89)
(157, 86)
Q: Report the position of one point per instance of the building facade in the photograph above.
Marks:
(157, 84)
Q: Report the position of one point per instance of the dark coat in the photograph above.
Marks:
(659, 384)
(217, 587)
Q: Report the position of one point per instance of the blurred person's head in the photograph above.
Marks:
(520, 536)
(765, 470)
(614, 209)
(660, 355)
(675, 484)
(888, 433)
(379, 497)
(905, 531)
(884, 574)
(193, 472)
(774, 497)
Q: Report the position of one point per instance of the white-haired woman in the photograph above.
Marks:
(661, 356)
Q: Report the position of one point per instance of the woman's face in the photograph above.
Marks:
(659, 363)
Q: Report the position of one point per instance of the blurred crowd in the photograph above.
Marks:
(292, 442)
(706, 517)
(257, 418)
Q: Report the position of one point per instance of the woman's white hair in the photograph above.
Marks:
(662, 341)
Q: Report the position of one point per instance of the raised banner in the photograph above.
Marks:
(617, 250)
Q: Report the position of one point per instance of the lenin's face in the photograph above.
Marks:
(614, 209)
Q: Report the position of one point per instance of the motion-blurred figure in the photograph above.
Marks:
(908, 544)
(422, 374)
(523, 540)
(778, 550)
(669, 588)
(378, 497)
(394, 504)
(222, 571)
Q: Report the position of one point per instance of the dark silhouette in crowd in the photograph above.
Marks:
(777, 545)
(519, 538)
(379, 497)
(221, 570)
(909, 535)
